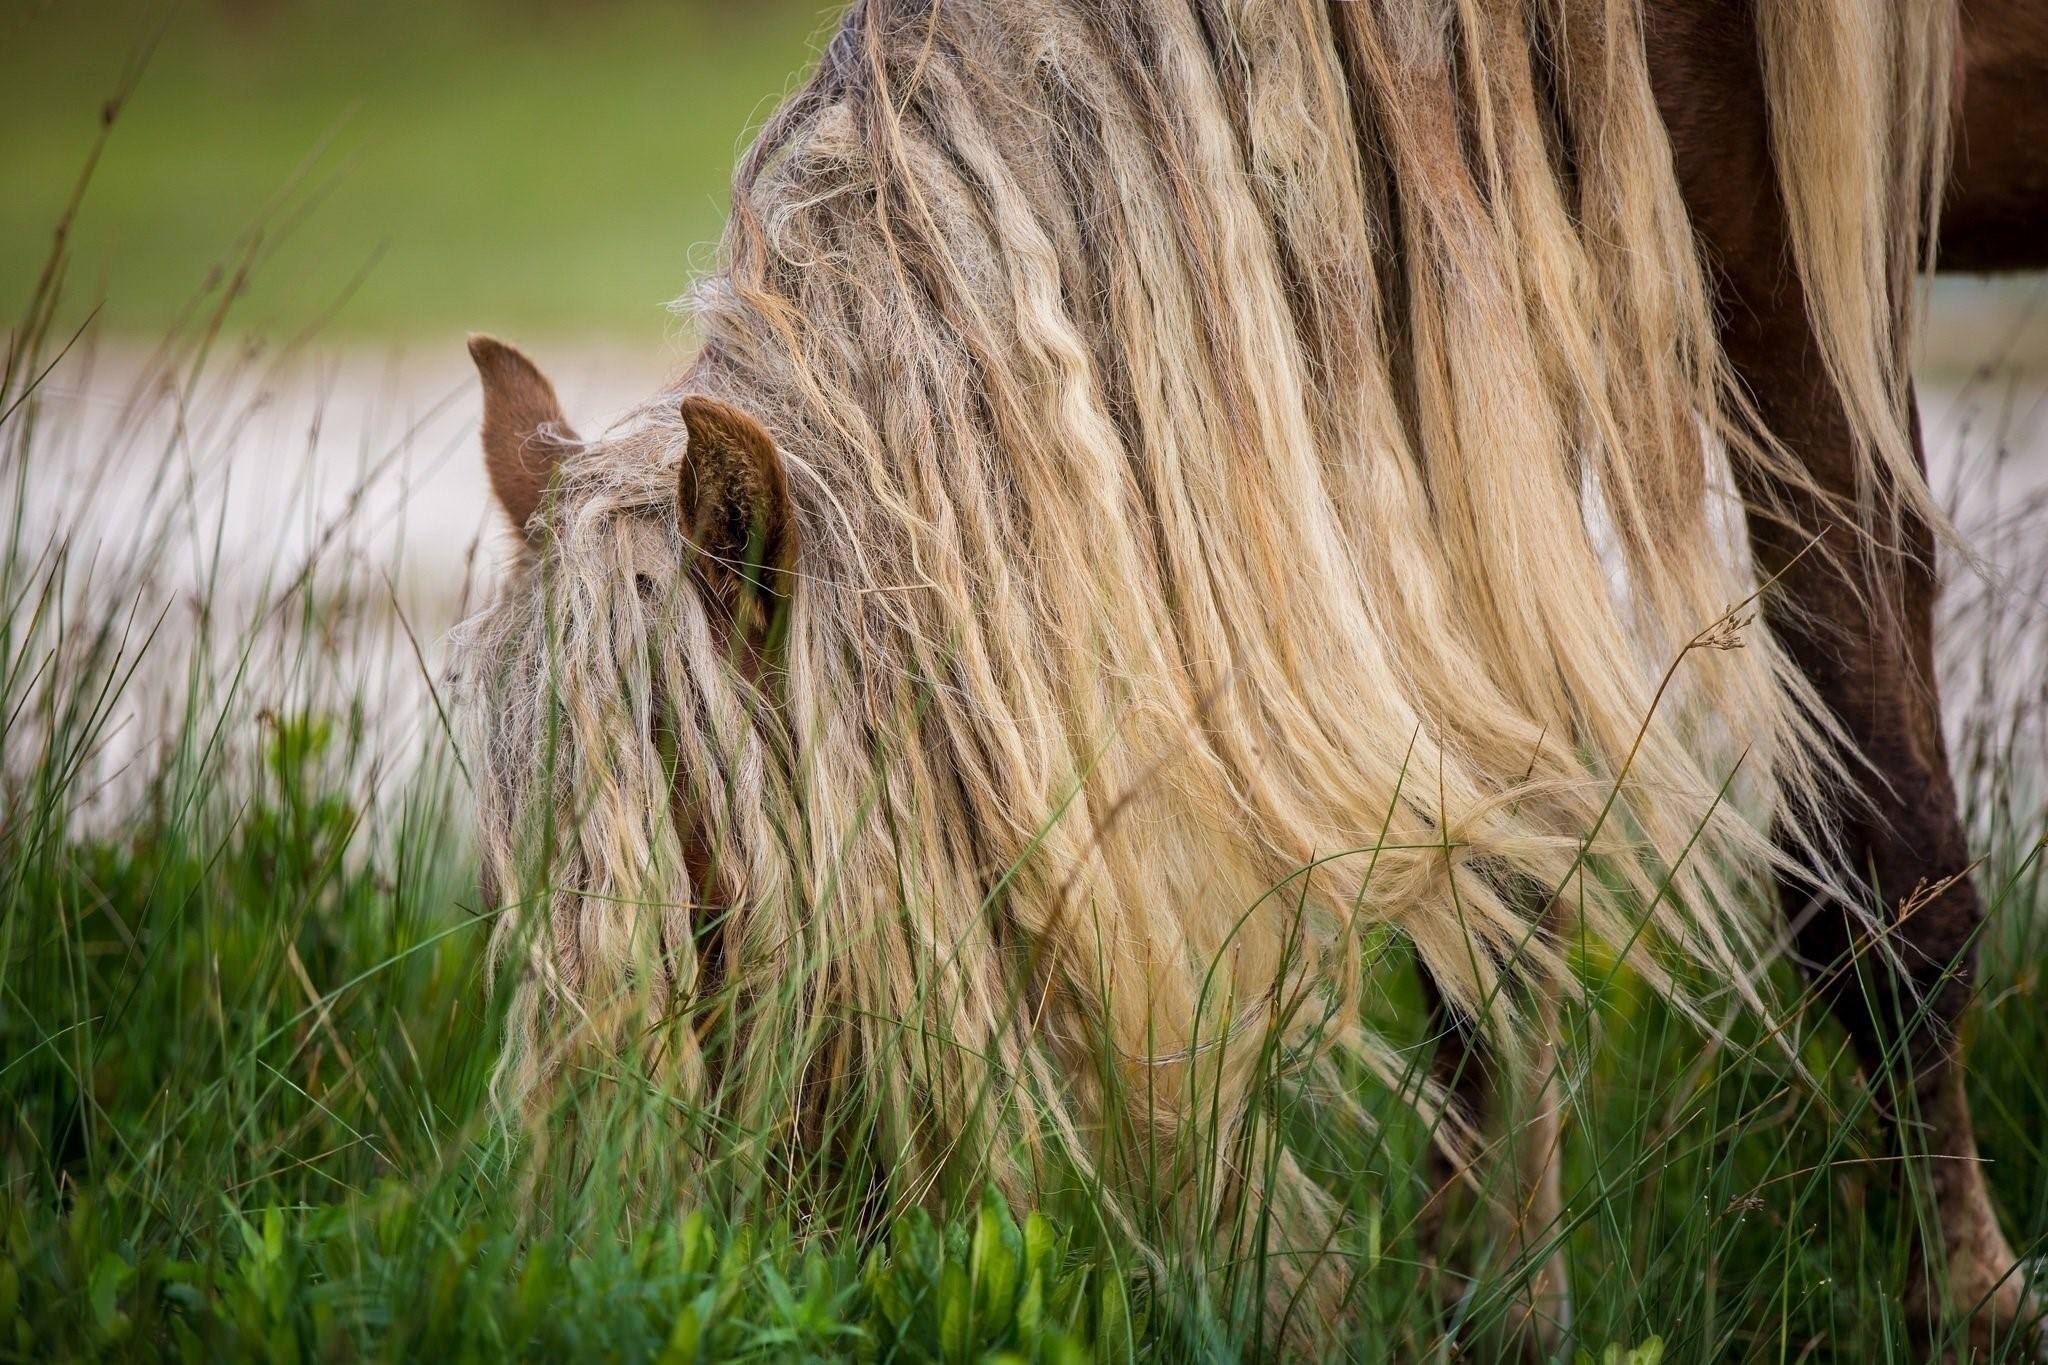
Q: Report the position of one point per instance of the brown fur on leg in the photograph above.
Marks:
(1458, 1071)
(1857, 619)
(1542, 1313)
(1514, 1115)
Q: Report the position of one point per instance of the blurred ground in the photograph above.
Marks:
(356, 470)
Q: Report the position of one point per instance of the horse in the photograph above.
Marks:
(1172, 491)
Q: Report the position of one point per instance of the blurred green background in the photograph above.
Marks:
(555, 169)
(552, 166)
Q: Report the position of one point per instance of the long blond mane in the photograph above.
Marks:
(1263, 479)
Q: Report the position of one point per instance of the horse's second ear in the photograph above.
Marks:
(524, 434)
(733, 498)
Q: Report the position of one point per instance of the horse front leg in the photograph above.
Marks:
(1864, 641)
(1513, 1115)
(1899, 982)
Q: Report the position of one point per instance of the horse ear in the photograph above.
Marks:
(524, 434)
(732, 495)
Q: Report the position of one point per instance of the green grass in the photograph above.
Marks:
(551, 168)
(244, 1113)
(246, 1039)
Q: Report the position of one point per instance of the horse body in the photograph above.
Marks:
(1172, 489)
